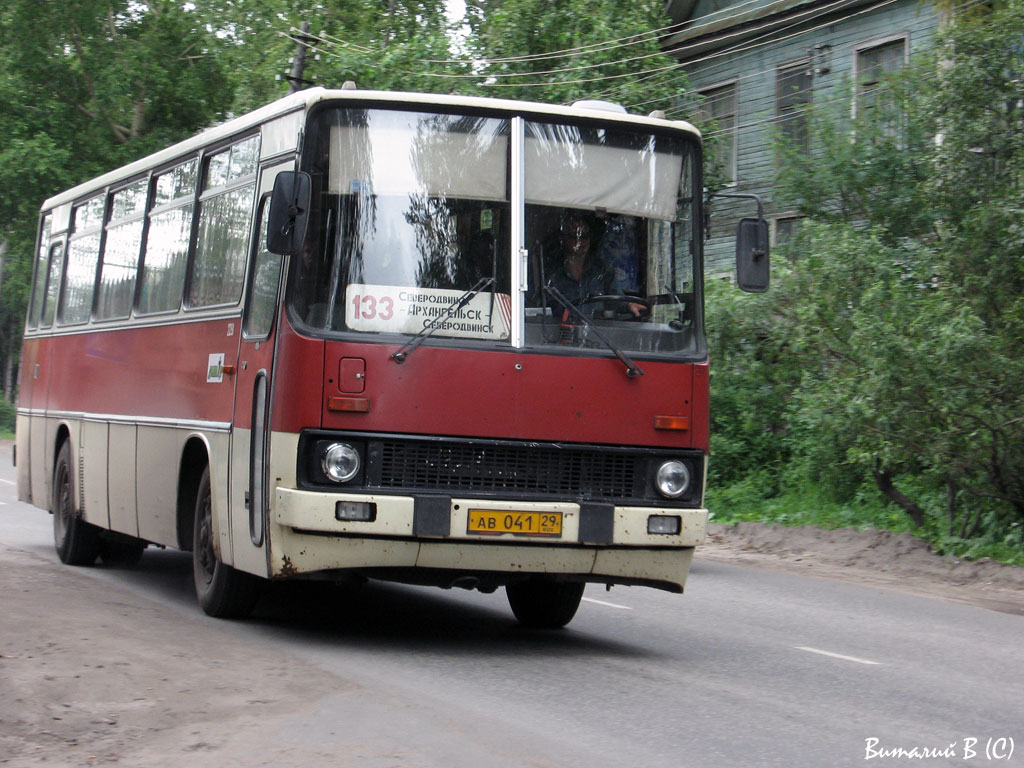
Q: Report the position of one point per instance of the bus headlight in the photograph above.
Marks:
(340, 462)
(672, 479)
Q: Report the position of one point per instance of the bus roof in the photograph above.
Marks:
(307, 98)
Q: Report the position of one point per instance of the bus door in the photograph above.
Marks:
(250, 437)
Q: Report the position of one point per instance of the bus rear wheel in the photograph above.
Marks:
(543, 603)
(77, 542)
(222, 591)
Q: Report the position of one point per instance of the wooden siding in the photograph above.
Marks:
(754, 73)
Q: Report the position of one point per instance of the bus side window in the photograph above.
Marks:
(167, 238)
(266, 276)
(39, 283)
(120, 260)
(49, 307)
(83, 255)
(218, 270)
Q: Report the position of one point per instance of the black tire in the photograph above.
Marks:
(77, 542)
(121, 551)
(222, 591)
(543, 603)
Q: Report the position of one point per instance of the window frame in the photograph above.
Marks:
(859, 49)
(109, 222)
(800, 101)
(203, 196)
(781, 218)
(248, 291)
(75, 234)
(154, 209)
(37, 290)
(704, 92)
(48, 310)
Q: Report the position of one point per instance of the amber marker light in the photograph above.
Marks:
(349, 404)
(672, 422)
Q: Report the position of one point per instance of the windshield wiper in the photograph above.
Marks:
(429, 328)
(632, 369)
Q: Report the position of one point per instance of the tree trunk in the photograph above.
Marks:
(883, 479)
(138, 117)
(9, 371)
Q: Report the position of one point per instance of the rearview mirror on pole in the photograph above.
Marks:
(752, 267)
(289, 212)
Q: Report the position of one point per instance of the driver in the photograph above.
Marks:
(582, 273)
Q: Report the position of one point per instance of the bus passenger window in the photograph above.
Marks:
(40, 273)
(49, 309)
(225, 208)
(167, 239)
(120, 261)
(83, 254)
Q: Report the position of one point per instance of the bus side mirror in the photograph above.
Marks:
(289, 212)
(752, 271)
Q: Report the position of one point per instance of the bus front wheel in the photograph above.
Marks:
(222, 591)
(77, 542)
(543, 603)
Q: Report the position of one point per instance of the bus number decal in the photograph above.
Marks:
(398, 309)
(369, 308)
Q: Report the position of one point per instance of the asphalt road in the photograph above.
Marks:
(750, 667)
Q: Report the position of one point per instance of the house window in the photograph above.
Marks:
(786, 228)
(718, 111)
(874, 63)
(792, 98)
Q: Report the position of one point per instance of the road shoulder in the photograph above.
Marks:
(877, 558)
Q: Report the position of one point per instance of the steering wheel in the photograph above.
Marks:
(622, 298)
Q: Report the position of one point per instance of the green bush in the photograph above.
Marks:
(7, 414)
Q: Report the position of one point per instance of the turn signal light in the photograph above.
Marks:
(349, 404)
(672, 422)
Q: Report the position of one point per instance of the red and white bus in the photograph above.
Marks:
(344, 336)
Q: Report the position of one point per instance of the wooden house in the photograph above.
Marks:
(753, 65)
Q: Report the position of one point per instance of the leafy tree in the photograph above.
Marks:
(87, 86)
(411, 45)
(606, 50)
(378, 45)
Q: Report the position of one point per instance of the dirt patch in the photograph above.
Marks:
(92, 674)
(879, 558)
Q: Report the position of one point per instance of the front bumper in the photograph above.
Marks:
(599, 543)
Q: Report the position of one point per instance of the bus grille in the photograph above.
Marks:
(546, 470)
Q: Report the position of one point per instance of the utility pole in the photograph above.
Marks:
(295, 81)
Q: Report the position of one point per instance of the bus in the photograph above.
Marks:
(357, 335)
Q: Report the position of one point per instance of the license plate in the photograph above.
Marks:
(495, 522)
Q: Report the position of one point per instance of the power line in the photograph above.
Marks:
(727, 64)
(597, 47)
(634, 39)
(711, 56)
(734, 52)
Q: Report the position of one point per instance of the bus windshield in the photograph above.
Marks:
(413, 210)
